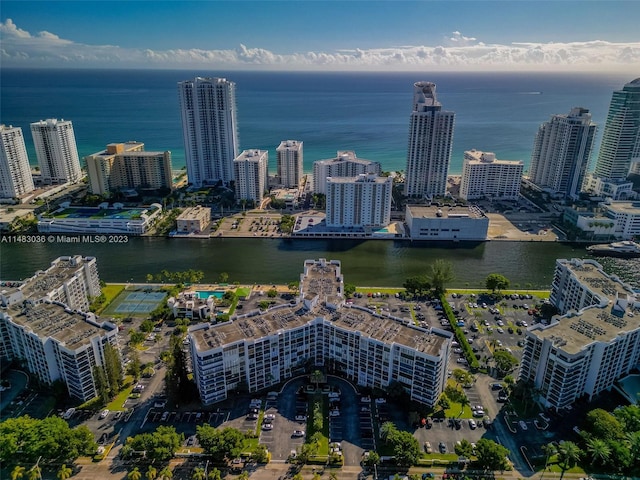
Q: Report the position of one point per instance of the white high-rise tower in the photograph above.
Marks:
(56, 150)
(561, 152)
(430, 143)
(15, 172)
(209, 129)
(290, 159)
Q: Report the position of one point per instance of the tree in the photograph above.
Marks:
(443, 402)
(34, 473)
(113, 369)
(496, 282)
(417, 285)
(505, 361)
(18, 472)
(374, 459)
(599, 451)
(166, 473)
(214, 474)
(220, 444)
(405, 447)
(64, 472)
(134, 367)
(603, 425)
(568, 455)
(152, 473)
(491, 455)
(160, 445)
(349, 290)
(549, 449)
(272, 293)
(316, 377)
(464, 449)
(387, 430)
(223, 277)
(134, 474)
(199, 474)
(441, 273)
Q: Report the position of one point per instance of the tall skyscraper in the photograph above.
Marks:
(251, 175)
(56, 150)
(621, 132)
(561, 152)
(209, 129)
(290, 160)
(15, 172)
(430, 142)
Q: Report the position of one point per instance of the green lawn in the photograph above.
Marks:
(118, 402)
(111, 291)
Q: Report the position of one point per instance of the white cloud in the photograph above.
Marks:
(457, 52)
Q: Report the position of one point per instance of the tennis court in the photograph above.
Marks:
(145, 297)
(136, 303)
(127, 307)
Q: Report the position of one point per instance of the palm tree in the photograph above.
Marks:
(34, 473)
(599, 450)
(134, 474)
(166, 473)
(568, 455)
(386, 429)
(199, 474)
(17, 472)
(152, 473)
(64, 473)
(464, 402)
(316, 377)
(214, 474)
(549, 449)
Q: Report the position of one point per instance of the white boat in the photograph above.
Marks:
(626, 248)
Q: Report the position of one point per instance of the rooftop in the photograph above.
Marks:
(434, 211)
(592, 275)
(58, 322)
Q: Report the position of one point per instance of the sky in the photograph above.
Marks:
(340, 35)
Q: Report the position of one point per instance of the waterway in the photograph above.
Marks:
(276, 261)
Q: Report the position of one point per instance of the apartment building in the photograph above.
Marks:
(626, 216)
(483, 175)
(127, 166)
(360, 202)
(580, 283)
(251, 175)
(15, 171)
(70, 280)
(430, 144)
(595, 342)
(451, 223)
(56, 151)
(262, 349)
(290, 163)
(345, 164)
(194, 219)
(57, 343)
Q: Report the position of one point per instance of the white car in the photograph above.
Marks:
(104, 414)
(298, 433)
(334, 413)
(267, 426)
(380, 401)
(269, 416)
(365, 399)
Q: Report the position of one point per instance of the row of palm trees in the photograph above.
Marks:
(35, 473)
(199, 473)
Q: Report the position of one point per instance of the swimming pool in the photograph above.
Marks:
(204, 294)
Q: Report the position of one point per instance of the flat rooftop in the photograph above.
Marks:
(572, 334)
(597, 280)
(98, 213)
(420, 211)
(61, 270)
(57, 322)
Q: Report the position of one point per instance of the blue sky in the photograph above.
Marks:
(555, 34)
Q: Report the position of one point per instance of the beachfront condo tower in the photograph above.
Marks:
(15, 172)
(290, 159)
(430, 142)
(251, 175)
(209, 129)
(56, 150)
(561, 153)
(620, 142)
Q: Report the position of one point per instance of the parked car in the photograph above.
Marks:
(297, 433)
(442, 447)
(104, 414)
(427, 447)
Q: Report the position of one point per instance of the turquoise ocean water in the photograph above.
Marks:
(364, 112)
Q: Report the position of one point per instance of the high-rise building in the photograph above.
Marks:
(15, 172)
(251, 175)
(56, 150)
(362, 201)
(485, 176)
(620, 141)
(127, 165)
(430, 143)
(209, 129)
(345, 164)
(290, 160)
(561, 152)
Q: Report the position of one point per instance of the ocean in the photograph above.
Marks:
(364, 112)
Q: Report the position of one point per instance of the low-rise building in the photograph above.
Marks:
(626, 216)
(262, 349)
(100, 220)
(194, 220)
(455, 223)
(483, 175)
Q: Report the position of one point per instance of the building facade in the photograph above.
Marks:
(251, 173)
(127, 165)
(194, 220)
(485, 176)
(290, 163)
(262, 349)
(626, 217)
(446, 223)
(15, 171)
(594, 343)
(561, 153)
(621, 138)
(430, 144)
(209, 129)
(56, 150)
(361, 202)
(345, 164)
